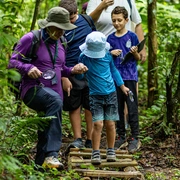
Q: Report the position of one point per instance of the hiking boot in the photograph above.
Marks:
(120, 143)
(134, 145)
(88, 143)
(96, 158)
(111, 155)
(52, 162)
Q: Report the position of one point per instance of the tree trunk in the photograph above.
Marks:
(173, 101)
(36, 10)
(152, 53)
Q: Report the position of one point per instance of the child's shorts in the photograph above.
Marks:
(104, 107)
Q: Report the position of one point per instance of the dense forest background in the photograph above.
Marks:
(159, 83)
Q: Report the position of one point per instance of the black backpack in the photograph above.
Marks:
(90, 21)
(15, 85)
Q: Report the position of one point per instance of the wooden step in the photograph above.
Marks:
(80, 161)
(103, 155)
(101, 150)
(109, 174)
(116, 164)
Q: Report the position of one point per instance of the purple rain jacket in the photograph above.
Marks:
(43, 63)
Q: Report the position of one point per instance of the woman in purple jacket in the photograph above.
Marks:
(41, 87)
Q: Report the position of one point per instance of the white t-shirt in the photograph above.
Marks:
(104, 23)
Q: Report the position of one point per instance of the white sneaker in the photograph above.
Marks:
(96, 158)
(111, 155)
(52, 162)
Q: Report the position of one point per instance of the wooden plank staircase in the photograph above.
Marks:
(125, 166)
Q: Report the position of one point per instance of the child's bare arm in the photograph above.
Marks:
(116, 52)
(124, 89)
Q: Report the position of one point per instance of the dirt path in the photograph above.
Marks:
(157, 160)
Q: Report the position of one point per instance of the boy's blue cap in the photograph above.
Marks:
(95, 45)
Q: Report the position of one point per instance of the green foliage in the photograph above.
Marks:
(157, 176)
(18, 140)
(66, 130)
(18, 134)
(144, 138)
(155, 115)
(168, 25)
(163, 176)
(9, 162)
(71, 175)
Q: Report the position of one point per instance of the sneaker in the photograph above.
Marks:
(52, 162)
(75, 144)
(120, 143)
(111, 155)
(96, 158)
(134, 145)
(78, 143)
(88, 143)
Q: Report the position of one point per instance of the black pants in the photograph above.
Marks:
(132, 110)
(49, 138)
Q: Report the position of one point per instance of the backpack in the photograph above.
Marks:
(90, 21)
(16, 85)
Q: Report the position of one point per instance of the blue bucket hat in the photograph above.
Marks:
(95, 45)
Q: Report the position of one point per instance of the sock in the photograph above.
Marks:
(88, 141)
(96, 151)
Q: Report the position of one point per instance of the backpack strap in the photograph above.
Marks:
(35, 44)
(63, 42)
(130, 5)
(90, 21)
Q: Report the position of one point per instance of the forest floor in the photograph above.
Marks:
(157, 160)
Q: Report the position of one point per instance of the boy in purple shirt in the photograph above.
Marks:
(45, 94)
(122, 41)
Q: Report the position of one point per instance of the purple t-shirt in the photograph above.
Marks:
(43, 63)
(128, 70)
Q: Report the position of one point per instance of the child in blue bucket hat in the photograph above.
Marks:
(103, 100)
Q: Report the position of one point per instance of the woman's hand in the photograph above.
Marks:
(79, 69)
(34, 73)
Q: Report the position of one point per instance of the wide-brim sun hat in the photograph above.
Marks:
(95, 45)
(58, 17)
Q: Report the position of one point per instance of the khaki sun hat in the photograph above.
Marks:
(58, 17)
